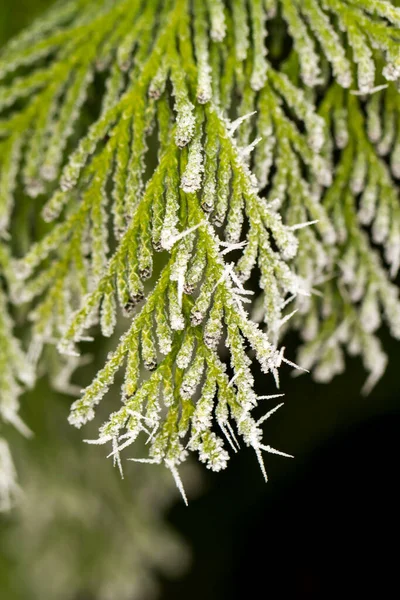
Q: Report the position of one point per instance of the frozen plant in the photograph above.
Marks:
(222, 145)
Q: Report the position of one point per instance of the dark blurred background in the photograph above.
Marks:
(327, 523)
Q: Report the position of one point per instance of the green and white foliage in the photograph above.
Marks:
(363, 204)
(271, 144)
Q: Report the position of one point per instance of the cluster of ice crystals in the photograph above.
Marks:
(185, 119)
(386, 142)
(158, 83)
(213, 328)
(341, 127)
(204, 89)
(176, 317)
(149, 352)
(218, 22)
(368, 202)
(164, 334)
(185, 353)
(359, 173)
(108, 316)
(192, 176)
(169, 228)
(180, 266)
(370, 316)
(391, 71)
(192, 377)
(211, 451)
(381, 225)
(202, 416)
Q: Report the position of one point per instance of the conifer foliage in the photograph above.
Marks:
(237, 180)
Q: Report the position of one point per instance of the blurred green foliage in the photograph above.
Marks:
(313, 414)
(16, 14)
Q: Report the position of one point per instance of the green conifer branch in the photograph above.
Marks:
(246, 161)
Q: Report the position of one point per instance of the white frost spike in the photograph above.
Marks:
(135, 413)
(292, 364)
(289, 300)
(229, 246)
(228, 437)
(249, 149)
(128, 442)
(270, 396)
(274, 451)
(169, 242)
(152, 434)
(287, 318)
(176, 317)
(261, 462)
(302, 225)
(171, 466)
(280, 359)
(269, 413)
(240, 300)
(228, 425)
(229, 271)
(373, 90)
(100, 441)
(148, 461)
(236, 375)
(179, 268)
(235, 124)
(116, 456)
(240, 292)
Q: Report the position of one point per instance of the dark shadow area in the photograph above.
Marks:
(329, 530)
